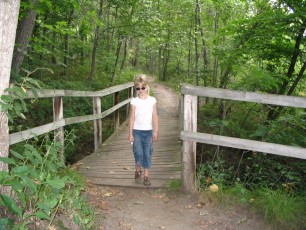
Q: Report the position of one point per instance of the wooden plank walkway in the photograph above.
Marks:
(113, 164)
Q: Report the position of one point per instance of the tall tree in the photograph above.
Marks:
(8, 23)
(24, 33)
(119, 45)
(67, 40)
(200, 28)
(96, 41)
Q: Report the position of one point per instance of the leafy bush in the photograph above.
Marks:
(41, 186)
(281, 208)
(241, 175)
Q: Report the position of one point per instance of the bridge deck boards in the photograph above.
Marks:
(113, 163)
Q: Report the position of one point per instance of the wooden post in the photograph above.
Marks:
(97, 123)
(116, 113)
(181, 113)
(189, 147)
(58, 114)
(130, 95)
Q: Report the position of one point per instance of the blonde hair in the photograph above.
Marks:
(141, 79)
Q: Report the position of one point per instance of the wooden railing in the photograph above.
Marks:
(190, 136)
(59, 122)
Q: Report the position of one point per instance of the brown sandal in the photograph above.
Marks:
(137, 175)
(146, 181)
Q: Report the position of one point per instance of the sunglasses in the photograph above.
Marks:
(138, 88)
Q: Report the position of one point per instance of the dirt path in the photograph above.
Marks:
(150, 209)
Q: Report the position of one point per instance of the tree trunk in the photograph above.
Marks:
(216, 61)
(117, 58)
(23, 35)
(160, 57)
(53, 57)
(166, 61)
(204, 49)
(67, 41)
(296, 52)
(190, 49)
(124, 53)
(8, 22)
(296, 81)
(137, 51)
(275, 111)
(166, 57)
(151, 60)
(196, 52)
(225, 76)
(95, 44)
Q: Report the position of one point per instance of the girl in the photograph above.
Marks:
(143, 128)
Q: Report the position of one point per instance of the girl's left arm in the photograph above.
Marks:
(155, 123)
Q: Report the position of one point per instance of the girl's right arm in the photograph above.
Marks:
(131, 123)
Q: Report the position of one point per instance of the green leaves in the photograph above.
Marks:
(6, 223)
(57, 183)
(41, 215)
(42, 185)
(10, 204)
(12, 103)
(7, 160)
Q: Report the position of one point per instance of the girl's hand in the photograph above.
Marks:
(131, 138)
(155, 136)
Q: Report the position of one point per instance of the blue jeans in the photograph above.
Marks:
(142, 147)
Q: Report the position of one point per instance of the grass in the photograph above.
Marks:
(174, 185)
(278, 208)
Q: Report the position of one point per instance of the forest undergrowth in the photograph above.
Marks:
(273, 186)
(257, 180)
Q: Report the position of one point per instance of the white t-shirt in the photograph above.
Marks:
(143, 112)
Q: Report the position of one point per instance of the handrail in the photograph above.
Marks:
(45, 93)
(60, 122)
(263, 98)
(190, 136)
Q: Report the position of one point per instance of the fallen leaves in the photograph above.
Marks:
(98, 196)
(244, 219)
(52, 227)
(200, 204)
(161, 196)
(125, 225)
(108, 194)
(203, 213)
(139, 202)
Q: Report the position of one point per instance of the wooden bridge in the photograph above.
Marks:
(113, 164)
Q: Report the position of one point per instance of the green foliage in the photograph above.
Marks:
(241, 175)
(249, 45)
(276, 131)
(174, 185)
(278, 207)
(42, 187)
(253, 77)
(13, 104)
(226, 166)
(281, 208)
(216, 172)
